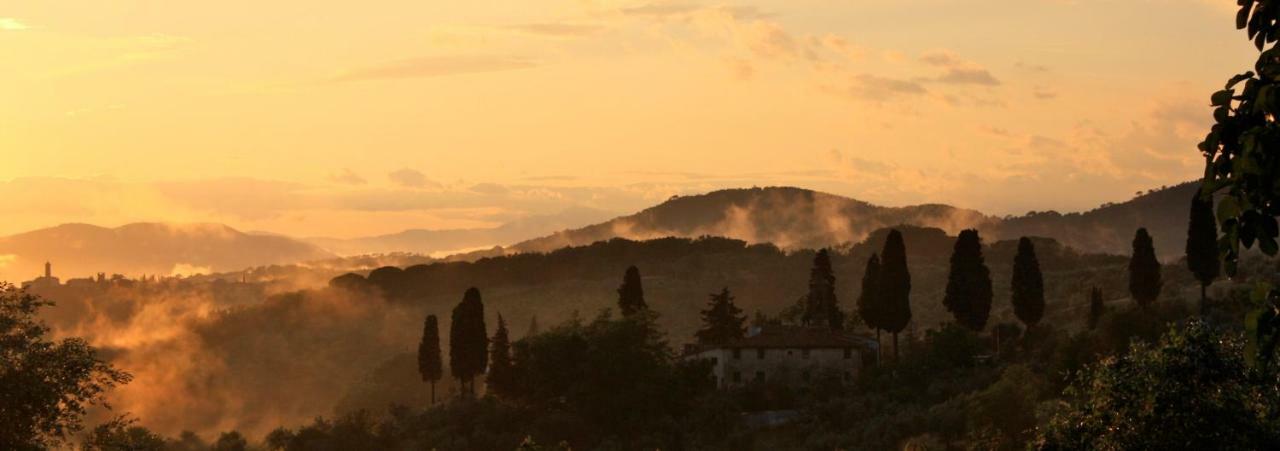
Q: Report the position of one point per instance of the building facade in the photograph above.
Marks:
(788, 355)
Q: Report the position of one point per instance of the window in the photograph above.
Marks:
(759, 376)
(737, 376)
(804, 353)
(760, 353)
(804, 376)
(714, 361)
(848, 353)
(737, 354)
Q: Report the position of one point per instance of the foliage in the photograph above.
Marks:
(1202, 244)
(122, 434)
(895, 286)
(969, 291)
(722, 320)
(1028, 284)
(429, 361)
(501, 377)
(869, 304)
(822, 308)
(631, 293)
(1191, 390)
(45, 385)
(468, 340)
(1096, 307)
(1242, 150)
(1144, 270)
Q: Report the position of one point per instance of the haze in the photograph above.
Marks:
(324, 118)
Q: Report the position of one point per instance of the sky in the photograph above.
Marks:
(345, 119)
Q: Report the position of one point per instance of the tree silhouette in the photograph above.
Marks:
(631, 293)
(1096, 307)
(1202, 245)
(895, 287)
(968, 295)
(821, 306)
(722, 320)
(1144, 270)
(533, 327)
(1028, 284)
(869, 300)
(429, 362)
(45, 385)
(468, 343)
(501, 377)
(1239, 156)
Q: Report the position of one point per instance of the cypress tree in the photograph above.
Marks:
(969, 293)
(429, 363)
(1144, 270)
(895, 287)
(631, 293)
(1096, 307)
(869, 308)
(1028, 284)
(821, 306)
(501, 379)
(533, 327)
(468, 341)
(1202, 245)
(722, 320)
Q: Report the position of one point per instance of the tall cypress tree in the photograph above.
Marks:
(1028, 284)
(1202, 245)
(533, 327)
(1096, 307)
(821, 306)
(429, 363)
(895, 287)
(631, 293)
(869, 308)
(1144, 270)
(722, 321)
(969, 293)
(501, 378)
(468, 341)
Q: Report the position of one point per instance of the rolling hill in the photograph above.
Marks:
(81, 250)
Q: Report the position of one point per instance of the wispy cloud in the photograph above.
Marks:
(436, 67)
(347, 176)
(11, 24)
(958, 70)
(410, 178)
(557, 29)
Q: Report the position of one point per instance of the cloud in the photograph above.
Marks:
(957, 70)
(437, 66)
(410, 178)
(1043, 93)
(878, 88)
(347, 176)
(557, 29)
(11, 24)
(661, 10)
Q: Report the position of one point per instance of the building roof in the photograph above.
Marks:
(796, 337)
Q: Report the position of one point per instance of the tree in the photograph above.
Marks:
(468, 341)
(45, 385)
(429, 362)
(120, 434)
(501, 378)
(1240, 150)
(1144, 270)
(969, 293)
(821, 306)
(230, 441)
(1096, 307)
(1028, 284)
(722, 321)
(533, 327)
(1202, 245)
(1191, 390)
(895, 287)
(631, 293)
(869, 299)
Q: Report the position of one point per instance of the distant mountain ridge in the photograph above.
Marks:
(794, 218)
(81, 250)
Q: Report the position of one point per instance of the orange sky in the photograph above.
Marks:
(356, 118)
